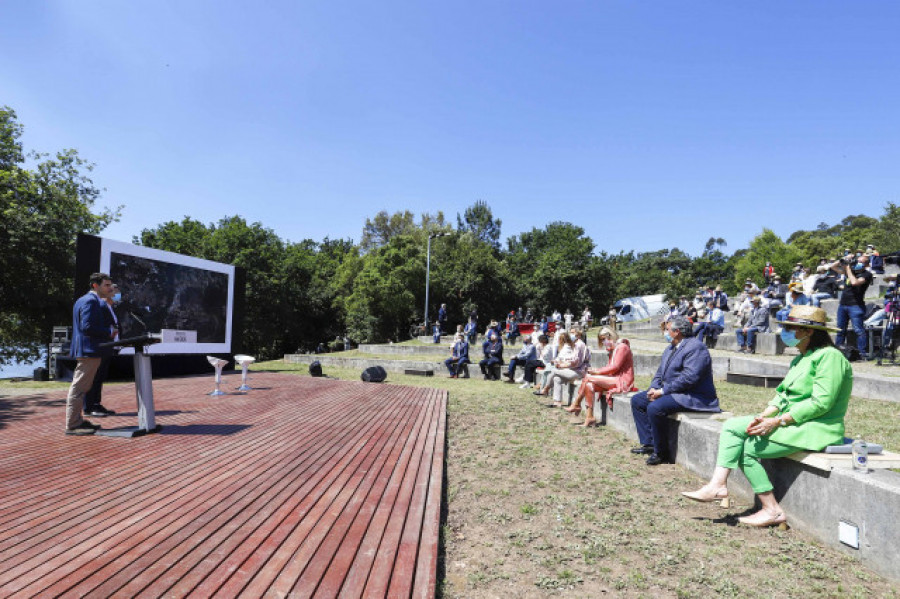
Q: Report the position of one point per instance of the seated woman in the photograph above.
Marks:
(616, 377)
(573, 369)
(565, 350)
(493, 355)
(807, 413)
(459, 355)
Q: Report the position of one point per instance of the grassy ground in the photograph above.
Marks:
(538, 508)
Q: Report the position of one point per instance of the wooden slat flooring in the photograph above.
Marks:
(302, 487)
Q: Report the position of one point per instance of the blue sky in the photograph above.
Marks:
(651, 124)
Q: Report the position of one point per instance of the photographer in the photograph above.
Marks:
(853, 306)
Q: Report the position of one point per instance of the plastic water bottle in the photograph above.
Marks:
(860, 455)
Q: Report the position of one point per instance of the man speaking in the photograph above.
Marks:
(90, 327)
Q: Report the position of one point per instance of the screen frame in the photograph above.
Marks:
(110, 246)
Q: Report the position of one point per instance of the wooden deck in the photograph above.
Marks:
(302, 487)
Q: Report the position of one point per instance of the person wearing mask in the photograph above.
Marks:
(712, 326)
(471, 330)
(91, 327)
(826, 286)
(571, 369)
(806, 414)
(794, 298)
(94, 397)
(616, 377)
(776, 292)
(682, 383)
(758, 322)
(525, 355)
(493, 354)
(459, 355)
(852, 307)
(544, 354)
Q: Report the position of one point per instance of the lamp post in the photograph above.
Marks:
(428, 272)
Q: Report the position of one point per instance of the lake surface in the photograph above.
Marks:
(21, 369)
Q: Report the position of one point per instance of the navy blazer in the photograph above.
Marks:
(685, 373)
(460, 352)
(91, 322)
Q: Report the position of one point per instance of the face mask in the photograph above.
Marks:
(668, 337)
(858, 266)
(789, 338)
(608, 345)
(117, 297)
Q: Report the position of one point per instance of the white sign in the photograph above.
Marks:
(178, 336)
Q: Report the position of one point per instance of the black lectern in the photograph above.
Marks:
(143, 388)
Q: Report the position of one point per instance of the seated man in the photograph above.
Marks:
(682, 383)
(712, 326)
(826, 286)
(794, 298)
(758, 322)
(525, 355)
(459, 355)
(471, 330)
(493, 354)
(776, 292)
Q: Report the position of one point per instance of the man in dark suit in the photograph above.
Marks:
(90, 328)
(94, 397)
(683, 383)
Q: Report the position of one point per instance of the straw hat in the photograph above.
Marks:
(808, 317)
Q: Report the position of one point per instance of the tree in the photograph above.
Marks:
(480, 222)
(381, 229)
(41, 213)
(765, 247)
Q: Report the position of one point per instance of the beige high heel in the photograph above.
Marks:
(721, 496)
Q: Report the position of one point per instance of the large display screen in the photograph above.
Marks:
(164, 290)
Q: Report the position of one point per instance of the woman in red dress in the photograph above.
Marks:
(616, 377)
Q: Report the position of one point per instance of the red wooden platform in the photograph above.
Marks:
(302, 487)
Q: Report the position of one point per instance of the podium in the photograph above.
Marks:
(143, 388)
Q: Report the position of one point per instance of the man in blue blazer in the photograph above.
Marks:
(459, 355)
(683, 383)
(90, 328)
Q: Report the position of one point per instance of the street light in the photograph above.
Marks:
(428, 272)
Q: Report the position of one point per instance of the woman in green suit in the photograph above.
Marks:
(807, 413)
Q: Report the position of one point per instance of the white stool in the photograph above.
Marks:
(245, 362)
(218, 364)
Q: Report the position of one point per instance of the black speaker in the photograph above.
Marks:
(374, 374)
(315, 369)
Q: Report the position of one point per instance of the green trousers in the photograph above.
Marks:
(737, 449)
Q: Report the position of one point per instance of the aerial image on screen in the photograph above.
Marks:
(162, 295)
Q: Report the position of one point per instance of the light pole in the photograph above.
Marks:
(428, 272)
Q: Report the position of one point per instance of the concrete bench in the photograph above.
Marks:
(767, 381)
(818, 491)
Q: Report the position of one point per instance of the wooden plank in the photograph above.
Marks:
(282, 491)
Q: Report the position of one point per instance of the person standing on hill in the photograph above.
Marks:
(90, 328)
(853, 304)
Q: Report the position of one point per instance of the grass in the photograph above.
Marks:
(537, 507)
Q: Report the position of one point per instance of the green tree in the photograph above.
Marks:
(480, 222)
(41, 213)
(766, 246)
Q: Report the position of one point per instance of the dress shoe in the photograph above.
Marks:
(763, 519)
(80, 430)
(100, 412)
(655, 460)
(642, 449)
(88, 424)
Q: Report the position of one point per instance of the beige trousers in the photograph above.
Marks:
(81, 384)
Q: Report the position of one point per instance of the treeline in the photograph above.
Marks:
(302, 293)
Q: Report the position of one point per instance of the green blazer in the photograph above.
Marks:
(815, 392)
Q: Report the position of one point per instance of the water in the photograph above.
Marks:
(860, 455)
(21, 369)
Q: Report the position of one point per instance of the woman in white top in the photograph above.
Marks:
(562, 346)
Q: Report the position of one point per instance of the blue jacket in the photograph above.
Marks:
(493, 350)
(460, 352)
(685, 373)
(91, 322)
(527, 353)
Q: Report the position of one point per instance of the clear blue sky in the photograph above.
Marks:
(651, 124)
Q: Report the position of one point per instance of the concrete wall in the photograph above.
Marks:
(815, 500)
